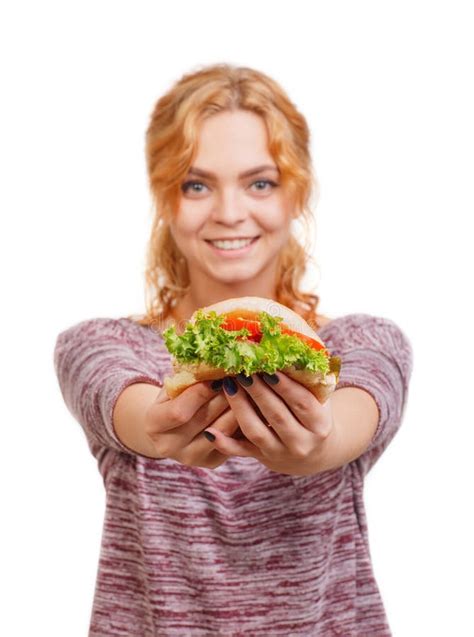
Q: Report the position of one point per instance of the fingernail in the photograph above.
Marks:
(209, 436)
(271, 379)
(244, 380)
(216, 385)
(229, 385)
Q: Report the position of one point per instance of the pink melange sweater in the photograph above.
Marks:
(239, 550)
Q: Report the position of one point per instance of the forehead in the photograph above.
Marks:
(232, 142)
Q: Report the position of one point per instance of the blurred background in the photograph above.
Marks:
(386, 88)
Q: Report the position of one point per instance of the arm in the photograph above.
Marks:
(356, 416)
(372, 392)
(129, 417)
(95, 362)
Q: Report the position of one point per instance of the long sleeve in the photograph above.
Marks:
(376, 356)
(94, 361)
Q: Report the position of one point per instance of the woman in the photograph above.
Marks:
(218, 535)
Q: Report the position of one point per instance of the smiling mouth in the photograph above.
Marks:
(233, 239)
(231, 250)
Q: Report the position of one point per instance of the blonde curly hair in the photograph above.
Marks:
(171, 144)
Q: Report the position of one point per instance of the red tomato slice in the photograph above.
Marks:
(246, 318)
(234, 323)
(307, 339)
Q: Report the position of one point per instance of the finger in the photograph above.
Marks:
(171, 441)
(182, 408)
(306, 408)
(182, 435)
(256, 431)
(199, 453)
(231, 446)
(276, 411)
(304, 405)
(226, 423)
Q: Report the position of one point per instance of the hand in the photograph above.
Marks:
(175, 425)
(289, 432)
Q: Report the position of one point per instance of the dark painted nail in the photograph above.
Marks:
(216, 385)
(271, 379)
(209, 436)
(244, 380)
(230, 387)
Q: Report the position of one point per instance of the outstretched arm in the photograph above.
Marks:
(356, 416)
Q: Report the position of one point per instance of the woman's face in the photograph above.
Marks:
(219, 201)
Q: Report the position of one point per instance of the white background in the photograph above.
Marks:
(386, 90)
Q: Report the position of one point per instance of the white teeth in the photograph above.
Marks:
(232, 245)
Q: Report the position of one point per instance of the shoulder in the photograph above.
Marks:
(99, 343)
(92, 328)
(147, 339)
(367, 331)
(359, 323)
(97, 331)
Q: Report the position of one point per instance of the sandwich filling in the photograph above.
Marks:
(247, 342)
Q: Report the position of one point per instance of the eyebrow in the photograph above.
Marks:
(253, 171)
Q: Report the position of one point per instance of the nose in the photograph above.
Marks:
(228, 208)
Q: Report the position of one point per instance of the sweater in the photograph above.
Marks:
(240, 549)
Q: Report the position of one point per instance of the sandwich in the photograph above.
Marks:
(249, 335)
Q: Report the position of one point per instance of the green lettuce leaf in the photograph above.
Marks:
(205, 341)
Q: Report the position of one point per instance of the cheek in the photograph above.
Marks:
(275, 221)
(189, 220)
(274, 215)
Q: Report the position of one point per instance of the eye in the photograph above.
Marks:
(190, 184)
(197, 186)
(265, 182)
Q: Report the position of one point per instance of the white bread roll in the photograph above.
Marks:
(187, 374)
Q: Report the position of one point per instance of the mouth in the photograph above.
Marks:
(233, 247)
(232, 238)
